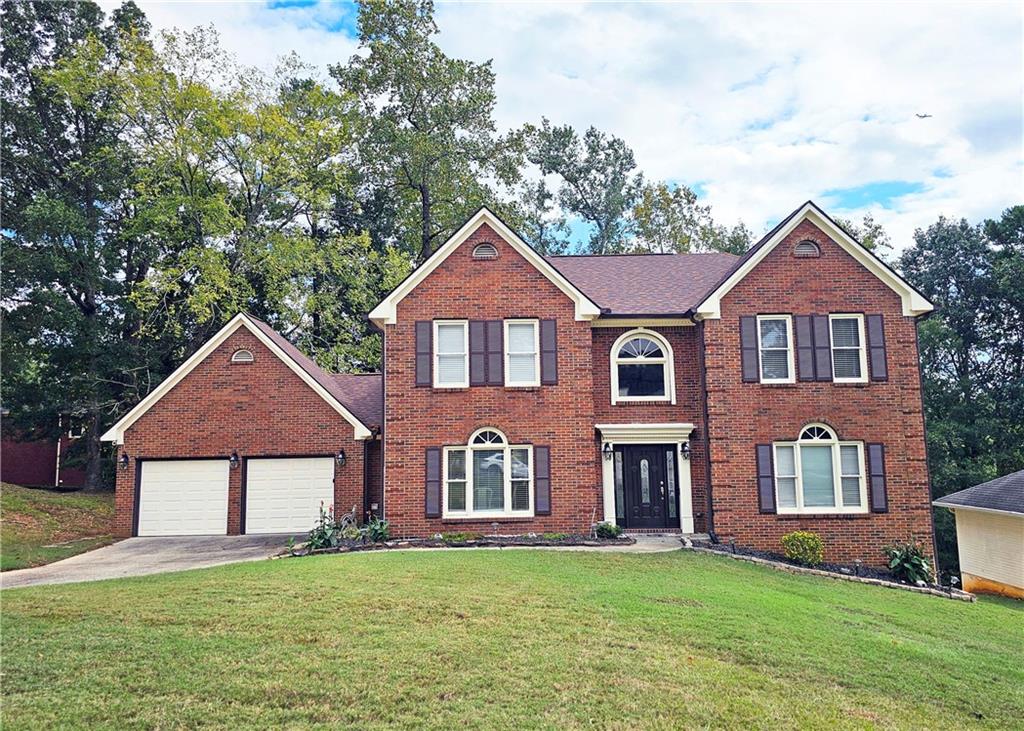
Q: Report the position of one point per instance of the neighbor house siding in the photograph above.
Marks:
(991, 547)
(743, 415)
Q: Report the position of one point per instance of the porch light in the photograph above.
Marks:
(685, 451)
(233, 460)
(341, 457)
(607, 450)
(122, 461)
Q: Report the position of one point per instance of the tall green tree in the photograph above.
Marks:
(670, 219)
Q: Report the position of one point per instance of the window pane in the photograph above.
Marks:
(457, 465)
(520, 464)
(522, 369)
(847, 363)
(641, 348)
(645, 482)
(488, 479)
(787, 492)
(848, 460)
(520, 495)
(816, 470)
(851, 492)
(451, 339)
(670, 471)
(845, 332)
(620, 488)
(456, 496)
(641, 380)
(451, 369)
(784, 464)
(774, 364)
(773, 334)
(521, 337)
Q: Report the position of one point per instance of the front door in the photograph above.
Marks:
(649, 486)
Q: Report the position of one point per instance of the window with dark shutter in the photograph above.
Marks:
(876, 475)
(748, 348)
(542, 480)
(765, 479)
(433, 483)
(424, 352)
(876, 348)
(477, 352)
(495, 357)
(804, 348)
(548, 353)
(822, 348)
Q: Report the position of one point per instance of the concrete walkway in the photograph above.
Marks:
(141, 556)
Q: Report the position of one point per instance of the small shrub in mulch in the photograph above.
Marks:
(868, 572)
(464, 539)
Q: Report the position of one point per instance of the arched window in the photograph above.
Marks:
(488, 478)
(485, 251)
(820, 474)
(242, 356)
(806, 249)
(642, 368)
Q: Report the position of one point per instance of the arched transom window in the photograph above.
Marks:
(818, 473)
(642, 368)
(488, 478)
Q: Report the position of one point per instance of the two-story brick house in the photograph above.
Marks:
(746, 396)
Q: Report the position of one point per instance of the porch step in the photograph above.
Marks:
(666, 532)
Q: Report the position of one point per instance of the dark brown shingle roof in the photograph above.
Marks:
(645, 284)
(1004, 493)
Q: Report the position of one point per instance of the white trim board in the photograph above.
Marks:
(914, 303)
(954, 507)
(385, 313)
(116, 432)
(645, 433)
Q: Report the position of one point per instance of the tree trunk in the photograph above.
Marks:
(94, 457)
(425, 247)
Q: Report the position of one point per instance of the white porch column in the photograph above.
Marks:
(685, 491)
(608, 485)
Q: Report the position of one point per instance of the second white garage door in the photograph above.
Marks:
(187, 497)
(284, 495)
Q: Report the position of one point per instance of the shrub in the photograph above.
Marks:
(907, 562)
(554, 536)
(325, 533)
(377, 530)
(803, 547)
(351, 533)
(607, 530)
(460, 537)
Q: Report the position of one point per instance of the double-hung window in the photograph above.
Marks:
(820, 474)
(488, 478)
(775, 348)
(849, 357)
(451, 354)
(522, 353)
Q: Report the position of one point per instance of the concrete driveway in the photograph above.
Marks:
(141, 556)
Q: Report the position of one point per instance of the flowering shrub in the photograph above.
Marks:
(325, 533)
(804, 547)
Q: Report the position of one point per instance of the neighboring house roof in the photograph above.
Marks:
(1004, 495)
(385, 312)
(325, 386)
(363, 393)
(914, 303)
(645, 284)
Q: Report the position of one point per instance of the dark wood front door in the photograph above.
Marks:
(649, 482)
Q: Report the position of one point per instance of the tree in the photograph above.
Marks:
(670, 219)
(430, 139)
(869, 233)
(539, 221)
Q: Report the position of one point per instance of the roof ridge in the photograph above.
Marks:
(639, 254)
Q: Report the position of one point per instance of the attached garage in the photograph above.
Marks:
(283, 495)
(183, 497)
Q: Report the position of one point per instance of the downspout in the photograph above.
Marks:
(60, 435)
(710, 521)
(366, 475)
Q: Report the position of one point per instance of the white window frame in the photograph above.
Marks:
(468, 449)
(667, 363)
(791, 371)
(863, 351)
(837, 475)
(536, 352)
(465, 353)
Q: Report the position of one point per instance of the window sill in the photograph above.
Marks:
(507, 519)
(828, 516)
(451, 388)
(508, 387)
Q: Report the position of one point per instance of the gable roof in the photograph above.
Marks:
(1003, 495)
(326, 387)
(385, 312)
(914, 303)
(364, 395)
(646, 284)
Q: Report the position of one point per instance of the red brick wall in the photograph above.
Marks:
(745, 414)
(257, 409)
(559, 416)
(688, 407)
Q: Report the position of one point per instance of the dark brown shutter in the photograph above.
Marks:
(424, 352)
(495, 353)
(542, 480)
(876, 348)
(822, 348)
(548, 353)
(477, 352)
(433, 491)
(765, 479)
(804, 348)
(748, 348)
(876, 478)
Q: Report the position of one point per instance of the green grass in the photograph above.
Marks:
(473, 639)
(42, 526)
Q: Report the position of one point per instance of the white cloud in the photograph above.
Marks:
(765, 105)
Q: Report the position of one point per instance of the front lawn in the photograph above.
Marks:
(42, 526)
(472, 639)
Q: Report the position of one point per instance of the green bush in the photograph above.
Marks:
(554, 536)
(325, 533)
(907, 562)
(607, 530)
(377, 530)
(460, 537)
(804, 547)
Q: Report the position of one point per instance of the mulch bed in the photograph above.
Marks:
(869, 572)
(346, 546)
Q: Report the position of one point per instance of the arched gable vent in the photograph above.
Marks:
(485, 251)
(242, 356)
(806, 249)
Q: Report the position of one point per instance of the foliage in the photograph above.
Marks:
(607, 531)
(327, 533)
(461, 537)
(804, 547)
(377, 530)
(554, 536)
(669, 219)
(908, 563)
(869, 233)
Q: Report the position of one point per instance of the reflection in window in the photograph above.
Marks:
(645, 482)
(670, 470)
(620, 488)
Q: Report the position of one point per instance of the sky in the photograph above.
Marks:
(757, 107)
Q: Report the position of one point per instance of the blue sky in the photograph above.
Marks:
(759, 107)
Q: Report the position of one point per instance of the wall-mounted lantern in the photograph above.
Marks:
(233, 460)
(685, 451)
(122, 461)
(341, 458)
(607, 450)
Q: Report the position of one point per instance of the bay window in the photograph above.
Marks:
(820, 474)
(488, 478)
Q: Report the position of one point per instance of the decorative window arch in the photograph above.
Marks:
(818, 473)
(642, 368)
(806, 249)
(488, 477)
(242, 355)
(486, 250)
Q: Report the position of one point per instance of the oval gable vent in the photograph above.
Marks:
(806, 249)
(242, 356)
(485, 251)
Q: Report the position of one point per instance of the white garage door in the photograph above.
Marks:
(184, 498)
(284, 495)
